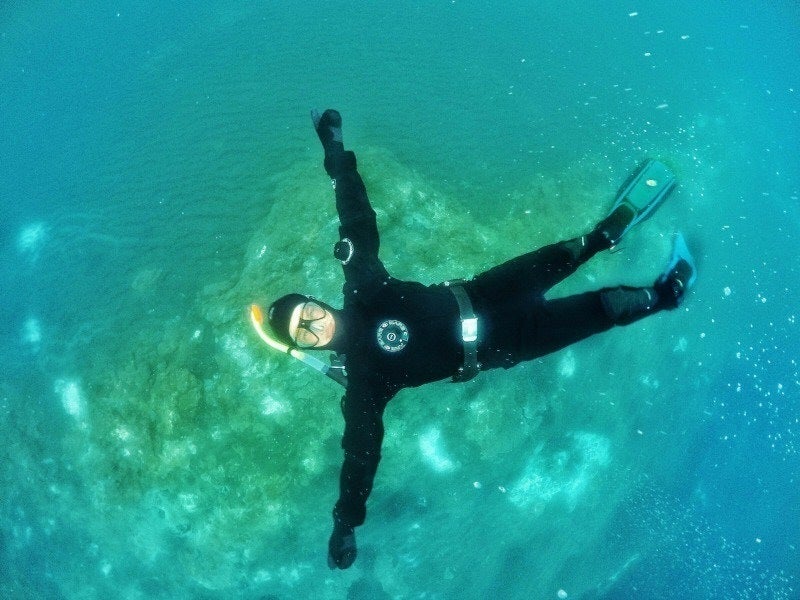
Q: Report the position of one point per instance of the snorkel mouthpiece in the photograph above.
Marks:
(256, 314)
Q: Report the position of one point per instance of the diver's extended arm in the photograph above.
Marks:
(362, 439)
(356, 216)
(358, 227)
(363, 436)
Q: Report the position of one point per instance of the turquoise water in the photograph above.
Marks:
(159, 173)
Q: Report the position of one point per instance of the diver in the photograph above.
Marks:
(392, 334)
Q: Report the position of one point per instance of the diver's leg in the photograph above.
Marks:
(555, 324)
(536, 272)
(564, 321)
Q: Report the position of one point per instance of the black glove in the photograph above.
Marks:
(341, 547)
(329, 130)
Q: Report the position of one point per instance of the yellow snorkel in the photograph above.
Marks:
(334, 371)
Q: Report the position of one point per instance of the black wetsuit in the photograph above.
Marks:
(516, 323)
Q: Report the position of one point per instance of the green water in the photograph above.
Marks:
(160, 173)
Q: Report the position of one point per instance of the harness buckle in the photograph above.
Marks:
(469, 329)
(469, 332)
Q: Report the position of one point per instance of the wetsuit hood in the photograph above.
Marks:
(280, 315)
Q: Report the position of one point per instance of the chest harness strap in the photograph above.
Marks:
(469, 332)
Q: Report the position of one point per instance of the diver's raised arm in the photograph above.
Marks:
(356, 216)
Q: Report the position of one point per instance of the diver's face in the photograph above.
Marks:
(311, 325)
